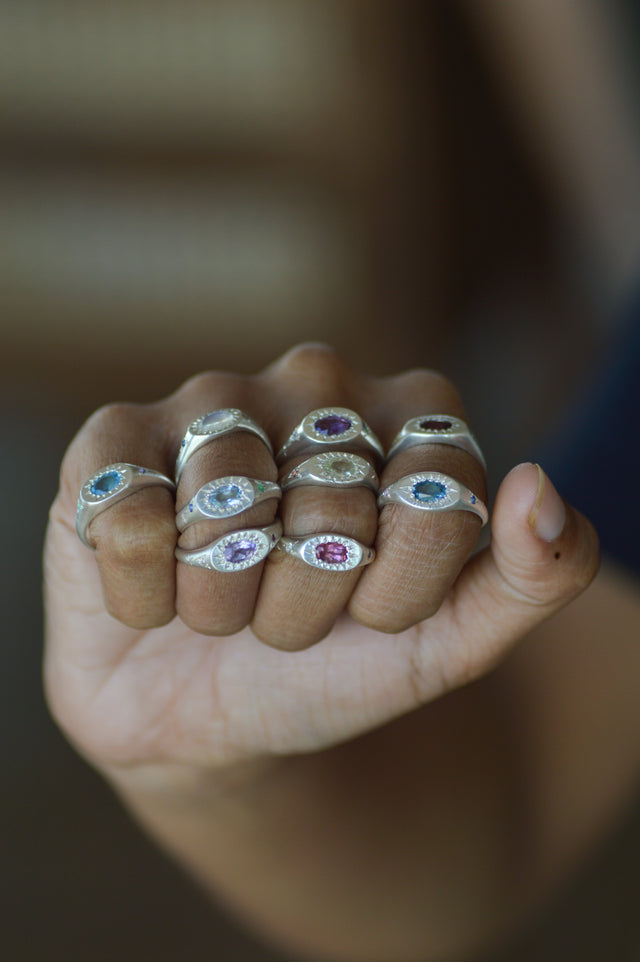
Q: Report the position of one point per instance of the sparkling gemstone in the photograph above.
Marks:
(216, 420)
(342, 467)
(427, 491)
(239, 551)
(106, 483)
(332, 553)
(226, 496)
(332, 425)
(433, 424)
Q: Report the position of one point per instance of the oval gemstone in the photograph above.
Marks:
(332, 553)
(216, 420)
(332, 425)
(342, 467)
(225, 496)
(433, 424)
(426, 491)
(239, 551)
(106, 483)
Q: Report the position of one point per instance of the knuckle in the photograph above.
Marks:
(318, 363)
(343, 511)
(207, 386)
(138, 542)
(429, 381)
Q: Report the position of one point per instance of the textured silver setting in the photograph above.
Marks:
(457, 434)
(110, 485)
(305, 548)
(339, 469)
(213, 425)
(447, 494)
(207, 504)
(307, 432)
(218, 555)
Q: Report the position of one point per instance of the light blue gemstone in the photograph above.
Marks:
(429, 491)
(106, 483)
(226, 496)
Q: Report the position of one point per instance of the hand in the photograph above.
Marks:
(284, 658)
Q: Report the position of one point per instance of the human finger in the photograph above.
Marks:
(121, 466)
(329, 522)
(432, 506)
(226, 482)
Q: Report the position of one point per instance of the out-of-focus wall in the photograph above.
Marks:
(191, 184)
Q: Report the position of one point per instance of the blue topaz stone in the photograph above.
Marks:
(429, 491)
(106, 484)
(226, 496)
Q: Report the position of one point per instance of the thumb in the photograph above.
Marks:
(543, 554)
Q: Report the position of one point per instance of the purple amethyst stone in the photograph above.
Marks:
(332, 425)
(239, 551)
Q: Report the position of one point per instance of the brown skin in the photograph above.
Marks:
(259, 735)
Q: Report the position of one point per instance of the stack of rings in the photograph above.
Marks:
(225, 498)
(231, 495)
(329, 427)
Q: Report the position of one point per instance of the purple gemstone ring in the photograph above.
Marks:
(213, 425)
(235, 551)
(331, 425)
(108, 486)
(224, 498)
(331, 552)
(436, 429)
(432, 491)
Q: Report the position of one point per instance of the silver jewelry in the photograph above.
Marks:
(436, 429)
(235, 551)
(214, 425)
(224, 498)
(108, 486)
(339, 469)
(331, 552)
(432, 491)
(329, 425)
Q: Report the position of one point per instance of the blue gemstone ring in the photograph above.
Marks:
(214, 425)
(333, 426)
(436, 429)
(108, 486)
(235, 551)
(432, 491)
(224, 498)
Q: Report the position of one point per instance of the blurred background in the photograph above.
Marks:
(203, 184)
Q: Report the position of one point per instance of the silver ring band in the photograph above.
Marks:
(109, 485)
(339, 469)
(235, 551)
(214, 425)
(331, 552)
(436, 429)
(432, 491)
(329, 425)
(224, 498)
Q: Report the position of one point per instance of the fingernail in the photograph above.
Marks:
(548, 514)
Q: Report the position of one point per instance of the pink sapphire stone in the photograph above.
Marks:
(332, 553)
(432, 424)
(332, 425)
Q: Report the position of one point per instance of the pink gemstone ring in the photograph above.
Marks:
(213, 425)
(335, 426)
(331, 552)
